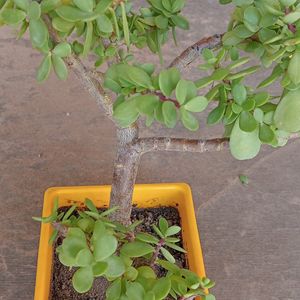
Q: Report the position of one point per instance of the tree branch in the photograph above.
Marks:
(145, 145)
(90, 83)
(182, 145)
(194, 51)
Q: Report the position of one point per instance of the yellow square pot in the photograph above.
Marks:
(145, 195)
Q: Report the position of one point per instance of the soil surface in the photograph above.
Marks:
(61, 285)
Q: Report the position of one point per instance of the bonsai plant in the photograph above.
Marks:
(68, 32)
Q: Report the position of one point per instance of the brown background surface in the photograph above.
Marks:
(53, 135)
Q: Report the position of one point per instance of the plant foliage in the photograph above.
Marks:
(108, 30)
(96, 246)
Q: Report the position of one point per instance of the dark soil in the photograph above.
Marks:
(61, 285)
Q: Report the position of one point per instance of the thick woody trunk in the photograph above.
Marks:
(125, 171)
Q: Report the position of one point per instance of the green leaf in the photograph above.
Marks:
(116, 267)
(185, 90)
(236, 108)
(113, 292)
(48, 5)
(209, 297)
(247, 122)
(146, 272)
(99, 268)
(73, 14)
(197, 104)
(23, 29)
(172, 230)
(84, 258)
(168, 266)
(244, 145)
(149, 296)
(88, 38)
(53, 237)
(243, 73)
(175, 247)
(44, 69)
(216, 115)
(161, 288)
(60, 67)
(161, 22)
(86, 224)
(238, 63)
(34, 10)
(131, 273)
(85, 5)
(188, 120)
(12, 16)
(261, 98)
(104, 246)
(61, 25)
(136, 249)
(83, 279)
(230, 39)
(252, 17)
(167, 255)
(38, 33)
(169, 113)
(135, 291)
(145, 237)
(136, 75)
(292, 17)
(158, 232)
(277, 71)
(258, 115)
(244, 179)
(125, 25)
(287, 2)
(23, 4)
(180, 21)
(203, 82)
(104, 24)
(266, 134)
(163, 225)
(103, 5)
(294, 68)
(208, 56)
(168, 80)
(242, 31)
(62, 50)
(126, 113)
(219, 74)
(90, 205)
(239, 93)
(287, 114)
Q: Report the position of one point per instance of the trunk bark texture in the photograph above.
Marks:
(125, 171)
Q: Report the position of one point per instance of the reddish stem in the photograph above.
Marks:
(291, 27)
(163, 98)
(156, 252)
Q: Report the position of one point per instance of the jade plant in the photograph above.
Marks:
(123, 255)
(70, 34)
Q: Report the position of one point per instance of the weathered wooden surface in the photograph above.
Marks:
(51, 135)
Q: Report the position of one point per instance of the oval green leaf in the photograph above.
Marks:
(44, 69)
(60, 67)
(83, 279)
(136, 249)
(287, 114)
(244, 145)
